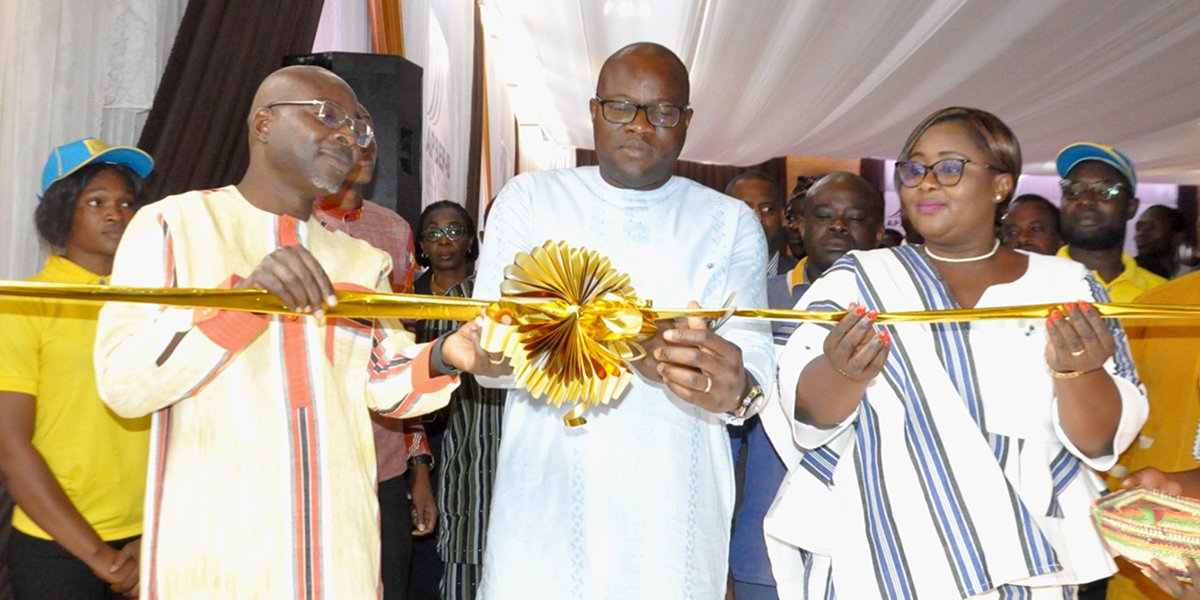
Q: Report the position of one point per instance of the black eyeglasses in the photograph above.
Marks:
(1102, 190)
(452, 232)
(333, 116)
(947, 172)
(622, 112)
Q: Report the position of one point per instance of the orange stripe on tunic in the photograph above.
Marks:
(304, 446)
(163, 420)
(159, 465)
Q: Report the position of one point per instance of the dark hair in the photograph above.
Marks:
(803, 182)
(990, 134)
(1174, 218)
(472, 252)
(1041, 201)
(751, 176)
(56, 212)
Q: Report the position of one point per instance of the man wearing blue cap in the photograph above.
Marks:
(1099, 187)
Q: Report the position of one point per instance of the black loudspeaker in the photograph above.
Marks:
(390, 87)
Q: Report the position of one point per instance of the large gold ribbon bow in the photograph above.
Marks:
(576, 342)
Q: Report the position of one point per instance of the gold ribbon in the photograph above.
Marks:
(1028, 311)
(417, 306)
(574, 322)
(350, 303)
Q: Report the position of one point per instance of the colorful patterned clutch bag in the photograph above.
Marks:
(1142, 524)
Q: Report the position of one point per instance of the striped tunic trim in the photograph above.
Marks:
(298, 394)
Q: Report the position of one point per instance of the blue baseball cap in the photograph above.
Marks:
(1084, 151)
(68, 158)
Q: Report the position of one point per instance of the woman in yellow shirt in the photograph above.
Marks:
(76, 471)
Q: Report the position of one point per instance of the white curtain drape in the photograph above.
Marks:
(852, 77)
(345, 27)
(540, 153)
(500, 149)
(446, 86)
(70, 69)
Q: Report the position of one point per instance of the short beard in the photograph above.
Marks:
(328, 186)
(1104, 238)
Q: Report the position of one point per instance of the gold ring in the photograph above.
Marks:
(496, 362)
(708, 386)
(1079, 352)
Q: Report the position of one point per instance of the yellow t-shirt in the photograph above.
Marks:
(1131, 283)
(98, 458)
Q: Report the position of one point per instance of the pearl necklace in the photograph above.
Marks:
(990, 254)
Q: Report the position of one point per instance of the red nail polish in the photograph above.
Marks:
(1084, 305)
(860, 311)
(871, 314)
(1069, 307)
(882, 335)
(1056, 316)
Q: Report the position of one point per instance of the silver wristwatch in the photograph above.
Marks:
(750, 405)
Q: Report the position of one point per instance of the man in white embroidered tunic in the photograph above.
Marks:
(636, 503)
(262, 474)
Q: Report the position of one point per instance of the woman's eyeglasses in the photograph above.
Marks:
(947, 172)
(452, 232)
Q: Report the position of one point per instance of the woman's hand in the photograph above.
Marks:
(1163, 578)
(125, 566)
(424, 506)
(1089, 403)
(1079, 339)
(855, 348)
(117, 568)
(831, 386)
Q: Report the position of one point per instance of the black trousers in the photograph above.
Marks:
(43, 570)
(395, 532)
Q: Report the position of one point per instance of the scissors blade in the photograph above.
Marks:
(714, 324)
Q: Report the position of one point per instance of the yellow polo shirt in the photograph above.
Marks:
(1131, 283)
(98, 458)
(1167, 355)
